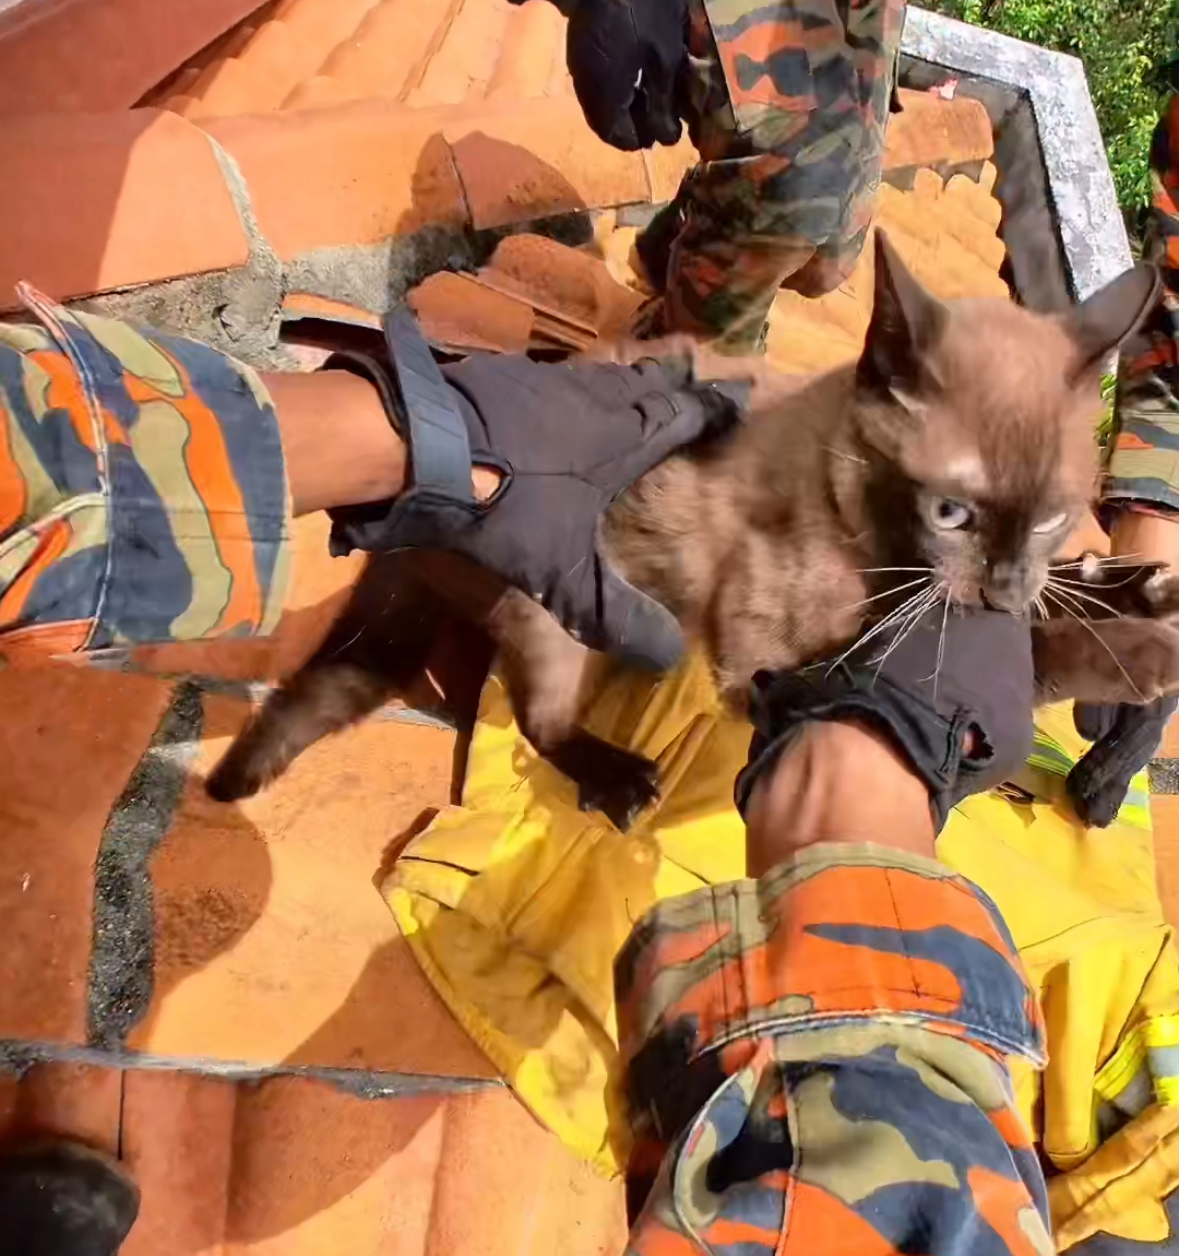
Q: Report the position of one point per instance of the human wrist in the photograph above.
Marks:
(1146, 536)
(339, 444)
(837, 782)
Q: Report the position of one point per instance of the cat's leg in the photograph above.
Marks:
(1108, 661)
(374, 651)
(1142, 590)
(545, 670)
(323, 698)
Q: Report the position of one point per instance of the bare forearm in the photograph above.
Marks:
(837, 783)
(339, 446)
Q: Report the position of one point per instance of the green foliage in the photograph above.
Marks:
(1105, 425)
(1123, 44)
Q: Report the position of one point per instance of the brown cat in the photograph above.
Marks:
(950, 463)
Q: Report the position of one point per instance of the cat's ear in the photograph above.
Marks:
(906, 322)
(1100, 324)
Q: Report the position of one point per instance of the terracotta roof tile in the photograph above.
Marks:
(100, 724)
(947, 234)
(92, 55)
(930, 131)
(324, 23)
(562, 282)
(231, 87)
(352, 175)
(271, 942)
(459, 68)
(458, 312)
(531, 53)
(387, 52)
(306, 305)
(318, 92)
(1164, 813)
(292, 1165)
(156, 203)
(80, 1101)
(521, 164)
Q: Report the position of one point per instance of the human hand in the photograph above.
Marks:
(1125, 736)
(566, 439)
(952, 697)
(625, 59)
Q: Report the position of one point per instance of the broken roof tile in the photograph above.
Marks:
(931, 131)
(525, 163)
(309, 305)
(350, 175)
(156, 203)
(567, 283)
(457, 312)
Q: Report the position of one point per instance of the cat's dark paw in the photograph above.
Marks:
(632, 787)
(237, 776)
(616, 782)
(1161, 593)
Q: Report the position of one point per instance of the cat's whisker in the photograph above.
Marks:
(1078, 599)
(912, 584)
(1093, 561)
(1086, 597)
(1084, 584)
(893, 617)
(1038, 603)
(941, 645)
(914, 619)
(1097, 637)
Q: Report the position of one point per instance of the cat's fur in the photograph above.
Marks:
(768, 544)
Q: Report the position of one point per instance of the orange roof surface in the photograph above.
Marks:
(220, 992)
(334, 123)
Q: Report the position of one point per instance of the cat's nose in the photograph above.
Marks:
(1009, 600)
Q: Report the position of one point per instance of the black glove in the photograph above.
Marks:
(1125, 739)
(626, 58)
(982, 698)
(568, 439)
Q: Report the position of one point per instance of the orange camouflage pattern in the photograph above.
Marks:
(787, 103)
(816, 1062)
(143, 492)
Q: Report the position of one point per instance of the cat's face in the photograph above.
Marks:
(979, 423)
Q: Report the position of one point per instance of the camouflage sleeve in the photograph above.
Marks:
(1143, 466)
(143, 492)
(816, 1061)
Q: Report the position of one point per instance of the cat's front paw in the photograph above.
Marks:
(1161, 594)
(616, 782)
(630, 788)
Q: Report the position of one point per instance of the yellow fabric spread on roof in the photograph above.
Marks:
(516, 903)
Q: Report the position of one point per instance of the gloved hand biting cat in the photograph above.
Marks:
(954, 694)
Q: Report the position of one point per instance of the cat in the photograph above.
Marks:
(950, 463)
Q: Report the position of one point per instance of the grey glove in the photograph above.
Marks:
(954, 696)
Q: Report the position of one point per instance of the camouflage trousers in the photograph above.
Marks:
(787, 104)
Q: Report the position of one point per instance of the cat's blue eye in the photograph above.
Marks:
(947, 515)
(1051, 525)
